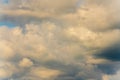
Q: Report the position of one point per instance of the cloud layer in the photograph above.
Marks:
(59, 40)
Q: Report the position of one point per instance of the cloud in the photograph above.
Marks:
(59, 40)
(5, 46)
(49, 46)
(89, 38)
(108, 68)
(44, 73)
(25, 63)
(89, 14)
(44, 4)
(115, 77)
(7, 69)
(111, 53)
(40, 6)
(105, 77)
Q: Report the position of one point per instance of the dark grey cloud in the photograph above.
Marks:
(111, 53)
(74, 71)
(108, 68)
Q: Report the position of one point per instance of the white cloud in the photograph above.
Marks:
(45, 73)
(25, 62)
(7, 69)
(48, 42)
(105, 77)
(70, 36)
(89, 38)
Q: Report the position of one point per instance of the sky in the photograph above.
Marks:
(59, 40)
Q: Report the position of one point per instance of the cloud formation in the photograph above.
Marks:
(59, 40)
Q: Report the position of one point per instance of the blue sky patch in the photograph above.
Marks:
(5, 1)
(10, 25)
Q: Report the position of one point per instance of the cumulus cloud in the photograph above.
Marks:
(38, 45)
(90, 38)
(25, 63)
(7, 70)
(59, 40)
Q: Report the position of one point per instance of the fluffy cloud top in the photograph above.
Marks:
(25, 63)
